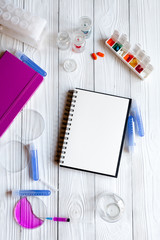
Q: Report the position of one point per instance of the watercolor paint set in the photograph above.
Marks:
(134, 57)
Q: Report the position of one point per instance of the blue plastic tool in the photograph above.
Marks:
(135, 112)
(131, 133)
(30, 63)
(34, 162)
(25, 193)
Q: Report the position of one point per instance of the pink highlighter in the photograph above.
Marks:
(18, 82)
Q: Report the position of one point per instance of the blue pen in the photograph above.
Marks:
(131, 134)
(30, 63)
(135, 112)
(25, 193)
(34, 162)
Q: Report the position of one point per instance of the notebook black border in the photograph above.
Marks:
(123, 137)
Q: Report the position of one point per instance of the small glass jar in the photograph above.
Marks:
(79, 42)
(63, 40)
(86, 26)
(110, 207)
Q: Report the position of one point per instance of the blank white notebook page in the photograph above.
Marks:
(96, 132)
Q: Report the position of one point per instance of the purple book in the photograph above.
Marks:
(17, 84)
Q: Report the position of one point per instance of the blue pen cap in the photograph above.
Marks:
(34, 162)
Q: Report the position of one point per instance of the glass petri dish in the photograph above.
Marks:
(30, 212)
(70, 65)
(32, 125)
(14, 156)
(110, 207)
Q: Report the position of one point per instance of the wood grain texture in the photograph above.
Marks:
(76, 195)
(111, 76)
(145, 166)
(138, 178)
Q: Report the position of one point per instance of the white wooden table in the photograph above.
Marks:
(138, 180)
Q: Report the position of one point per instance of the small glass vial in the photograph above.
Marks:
(147, 71)
(63, 40)
(79, 42)
(113, 38)
(118, 45)
(122, 52)
(144, 60)
(86, 26)
(110, 207)
(128, 57)
(70, 65)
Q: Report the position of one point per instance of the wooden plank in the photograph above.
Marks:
(9, 181)
(42, 101)
(76, 196)
(112, 76)
(45, 101)
(144, 18)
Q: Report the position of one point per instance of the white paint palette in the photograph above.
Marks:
(135, 58)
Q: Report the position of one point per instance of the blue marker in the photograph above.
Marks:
(25, 193)
(30, 63)
(34, 162)
(131, 134)
(135, 112)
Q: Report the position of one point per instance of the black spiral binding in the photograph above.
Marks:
(66, 124)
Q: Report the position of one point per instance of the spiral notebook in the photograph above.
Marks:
(95, 130)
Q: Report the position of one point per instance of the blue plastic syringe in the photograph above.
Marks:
(30, 63)
(25, 193)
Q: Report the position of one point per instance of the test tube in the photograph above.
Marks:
(34, 162)
(113, 38)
